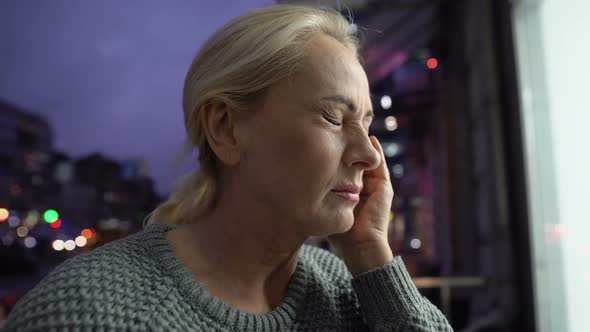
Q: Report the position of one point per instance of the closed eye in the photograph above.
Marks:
(332, 120)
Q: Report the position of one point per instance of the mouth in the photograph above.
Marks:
(350, 192)
(348, 195)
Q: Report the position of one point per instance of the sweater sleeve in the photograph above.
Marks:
(390, 301)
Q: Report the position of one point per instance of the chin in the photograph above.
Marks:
(346, 226)
(335, 225)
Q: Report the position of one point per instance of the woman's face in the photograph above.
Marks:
(309, 138)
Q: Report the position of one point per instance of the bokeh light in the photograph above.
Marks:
(56, 224)
(4, 214)
(70, 245)
(87, 233)
(30, 242)
(390, 123)
(432, 63)
(386, 102)
(32, 217)
(391, 149)
(81, 241)
(22, 231)
(50, 216)
(398, 170)
(58, 245)
(13, 221)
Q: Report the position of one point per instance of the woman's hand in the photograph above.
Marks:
(365, 246)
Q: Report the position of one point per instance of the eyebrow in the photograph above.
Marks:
(348, 103)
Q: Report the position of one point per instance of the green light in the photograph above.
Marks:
(421, 54)
(50, 216)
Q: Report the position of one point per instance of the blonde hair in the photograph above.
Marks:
(236, 66)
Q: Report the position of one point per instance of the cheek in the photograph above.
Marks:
(304, 161)
(296, 162)
(313, 157)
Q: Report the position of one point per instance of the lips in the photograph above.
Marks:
(349, 192)
(351, 188)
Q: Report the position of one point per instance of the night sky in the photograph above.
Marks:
(108, 75)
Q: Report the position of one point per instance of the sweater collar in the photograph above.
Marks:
(225, 314)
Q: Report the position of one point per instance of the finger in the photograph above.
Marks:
(382, 171)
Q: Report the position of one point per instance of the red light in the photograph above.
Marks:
(56, 224)
(432, 63)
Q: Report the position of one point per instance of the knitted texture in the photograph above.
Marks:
(138, 284)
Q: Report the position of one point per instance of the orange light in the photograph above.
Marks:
(87, 233)
(4, 214)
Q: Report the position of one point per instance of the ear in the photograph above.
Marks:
(219, 125)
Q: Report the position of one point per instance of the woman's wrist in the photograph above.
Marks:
(367, 257)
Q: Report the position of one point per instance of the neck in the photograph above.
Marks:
(240, 256)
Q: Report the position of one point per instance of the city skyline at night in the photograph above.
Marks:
(107, 77)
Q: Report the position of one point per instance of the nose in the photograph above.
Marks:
(362, 154)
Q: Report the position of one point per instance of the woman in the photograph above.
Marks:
(278, 106)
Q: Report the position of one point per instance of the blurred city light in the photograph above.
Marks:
(432, 63)
(391, 149)
(80, 241)
(398, 170)
(58, 245)
(64, 172)
(87, 233)
(56, 224)
(30, 242)
(421, 54)
(22, 231)
(4, 214)
(390, 123)
(50, 216)
(386, 102)
(31, 219)
(70, 245)
(13, 221)
(415, 244)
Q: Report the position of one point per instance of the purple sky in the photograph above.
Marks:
(108, 74)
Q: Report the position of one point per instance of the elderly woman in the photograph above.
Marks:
(278, 106)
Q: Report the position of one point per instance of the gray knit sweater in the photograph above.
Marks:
(138, 284)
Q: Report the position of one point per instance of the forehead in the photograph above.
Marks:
(330, 68)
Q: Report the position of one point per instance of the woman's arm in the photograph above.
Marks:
(390, 301)
(388, 298)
